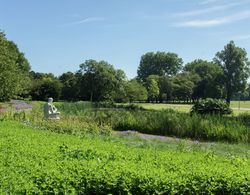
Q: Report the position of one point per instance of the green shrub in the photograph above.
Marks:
(211, 106)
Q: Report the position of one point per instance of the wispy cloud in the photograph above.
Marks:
(208, 10)
(86, 20)
(216, 21)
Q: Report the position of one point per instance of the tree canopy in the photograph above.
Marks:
(99, 80)
(235, 65)
(159, 63)
(208, 84)
(135, 91)
(45, 86)
(14, 70)
(70, 86)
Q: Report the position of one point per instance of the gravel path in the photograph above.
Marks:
(151, 137)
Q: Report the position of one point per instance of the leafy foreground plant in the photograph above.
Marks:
(33, 161)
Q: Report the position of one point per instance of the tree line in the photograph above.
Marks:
(161, 77)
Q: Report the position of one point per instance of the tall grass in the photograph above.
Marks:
(167, 122)
(73, 108)
(70, 122)
(172, 123)
(84, 117)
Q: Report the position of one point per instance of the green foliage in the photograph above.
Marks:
(209, 82)
(211, 106)
(70, 88)
(159, 63)
(165, 122)
(14, 69)
(65, 164)
(182, 87)
(152, 87)
(244, 118)
(72, 121)
(172, 123)
(45, 86)
(81, 117)
(135, 91)
(74, 108)
(99, 80)
(165, 88)
(235, 65)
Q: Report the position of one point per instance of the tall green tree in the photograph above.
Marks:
(45, 86)
(135, 91)
(152, 88)
(235, 65)
(70, 89)
(209, 81)
(14, 70)
(159, 63)
(166, 88)
(183, 87)
(99, 80)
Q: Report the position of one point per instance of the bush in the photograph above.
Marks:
(211, 106)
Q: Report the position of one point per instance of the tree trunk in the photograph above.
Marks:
(91, 96)
(228, 98)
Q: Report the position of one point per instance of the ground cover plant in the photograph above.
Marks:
(63, 163)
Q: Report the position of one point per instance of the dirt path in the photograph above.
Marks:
(152, 137)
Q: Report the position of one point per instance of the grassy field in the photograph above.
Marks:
(178, 107)
(35, 161)
(243, 108)
(242, 104)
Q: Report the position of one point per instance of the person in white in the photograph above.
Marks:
(50, 111)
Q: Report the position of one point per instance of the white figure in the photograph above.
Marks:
(50, 111)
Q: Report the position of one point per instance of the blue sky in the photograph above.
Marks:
(58, 35)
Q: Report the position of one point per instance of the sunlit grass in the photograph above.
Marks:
(159, 106)
(243, 108)
(37, 162)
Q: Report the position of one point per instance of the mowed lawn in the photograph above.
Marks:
(238, 107)
(156, 106)
(241, 104)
